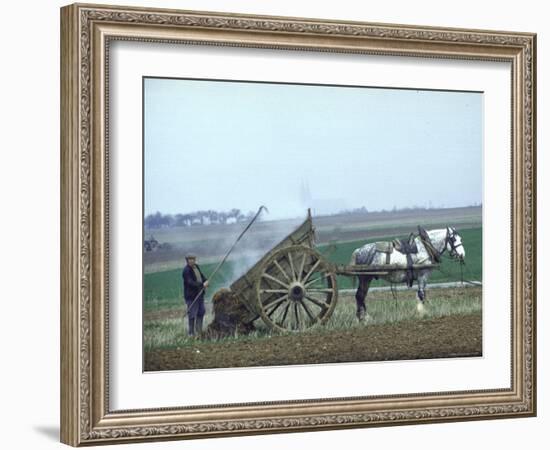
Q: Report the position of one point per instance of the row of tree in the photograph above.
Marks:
(210, 217)
(364, 210)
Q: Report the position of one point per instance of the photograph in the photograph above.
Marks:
(288, 223)
(296, 224)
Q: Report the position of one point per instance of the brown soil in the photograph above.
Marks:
(451, 336)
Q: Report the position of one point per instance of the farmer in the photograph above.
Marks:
(194, 283)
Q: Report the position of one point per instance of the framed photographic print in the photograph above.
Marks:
(276, 224)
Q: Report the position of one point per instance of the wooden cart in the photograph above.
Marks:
(293, 286)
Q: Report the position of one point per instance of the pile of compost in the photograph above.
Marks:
(230, 316)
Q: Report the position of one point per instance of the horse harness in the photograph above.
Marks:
(435, 256)
(451, 240)
(408, 248)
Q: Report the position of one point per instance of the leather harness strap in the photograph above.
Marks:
(408, 248)
(435, 256)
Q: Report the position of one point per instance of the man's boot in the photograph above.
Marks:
(191, 331)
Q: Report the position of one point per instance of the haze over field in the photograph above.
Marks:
(219, 145)
(211, 242)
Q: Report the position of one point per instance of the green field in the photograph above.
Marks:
(167, 330)
(164, 289)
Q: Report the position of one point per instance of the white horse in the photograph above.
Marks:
(429, 249)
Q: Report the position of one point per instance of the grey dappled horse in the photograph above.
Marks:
(429, 245)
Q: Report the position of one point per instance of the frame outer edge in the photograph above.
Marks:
(80, 410)
(533, 225)
(69, 185)
(535, 348)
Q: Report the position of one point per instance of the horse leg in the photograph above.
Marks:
(421, 293)
(360, 295)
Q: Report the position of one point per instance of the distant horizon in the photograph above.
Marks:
(353, 211)
(356, 208)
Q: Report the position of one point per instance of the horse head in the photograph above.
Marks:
(453, 243)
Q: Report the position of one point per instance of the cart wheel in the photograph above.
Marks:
(296, 289)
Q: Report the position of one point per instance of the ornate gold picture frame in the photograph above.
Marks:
(87, 33)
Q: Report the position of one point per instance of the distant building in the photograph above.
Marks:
(151, 244)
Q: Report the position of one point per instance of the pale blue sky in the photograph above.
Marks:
(221, 145)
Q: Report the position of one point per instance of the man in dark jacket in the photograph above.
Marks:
(194, 282)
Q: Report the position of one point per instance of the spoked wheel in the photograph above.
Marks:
(296, 289)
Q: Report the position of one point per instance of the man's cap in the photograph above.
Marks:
(190, 256)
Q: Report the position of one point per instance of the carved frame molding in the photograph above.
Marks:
(86, 31)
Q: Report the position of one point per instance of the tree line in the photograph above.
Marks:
(362, 210)
(209, 217)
